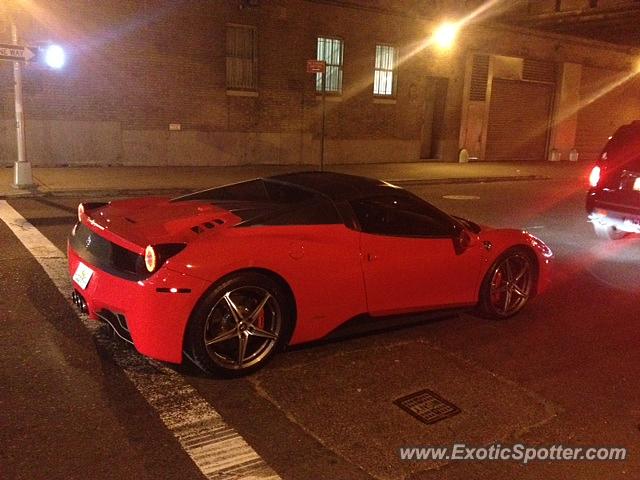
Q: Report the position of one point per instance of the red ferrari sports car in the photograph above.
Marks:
(228, 275)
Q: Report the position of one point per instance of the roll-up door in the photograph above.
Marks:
(519, 119)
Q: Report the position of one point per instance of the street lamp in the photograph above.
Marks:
(54, 56)
(445, 35)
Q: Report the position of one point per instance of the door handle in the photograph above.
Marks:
(371, 257)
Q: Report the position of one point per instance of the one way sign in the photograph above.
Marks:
(17, 53)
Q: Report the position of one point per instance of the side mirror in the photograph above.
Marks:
(462, 240)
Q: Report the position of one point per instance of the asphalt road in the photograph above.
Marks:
(564, 371)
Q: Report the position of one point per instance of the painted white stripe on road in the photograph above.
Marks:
(461, 197)
(218, 451)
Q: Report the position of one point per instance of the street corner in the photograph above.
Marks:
(366, 404)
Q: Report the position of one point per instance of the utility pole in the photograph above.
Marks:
(22, 177)
(324, 110)
(319, 67)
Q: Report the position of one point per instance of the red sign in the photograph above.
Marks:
(316, 66)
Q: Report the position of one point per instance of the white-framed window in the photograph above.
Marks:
(384, 76)
(242, 57)
(331, 51)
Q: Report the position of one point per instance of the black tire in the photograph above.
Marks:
(608, 232)
(504, 294)
(247, 308)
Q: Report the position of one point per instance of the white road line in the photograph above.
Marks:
(219, 451)
(461, 197)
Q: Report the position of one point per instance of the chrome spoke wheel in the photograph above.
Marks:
(511, 284)
(222, 337)
(243, 327)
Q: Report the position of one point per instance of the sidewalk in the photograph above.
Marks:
(135, 180)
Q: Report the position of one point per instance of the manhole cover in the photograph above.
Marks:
(427, 406)
(461, 197)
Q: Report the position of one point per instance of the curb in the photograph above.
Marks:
(181, 191)
(446, 181)
(115, 192)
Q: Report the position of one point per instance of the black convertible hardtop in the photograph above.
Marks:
(302, 186)
(266, 199)
(336, 186)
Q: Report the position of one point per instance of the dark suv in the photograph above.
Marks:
(613, 201)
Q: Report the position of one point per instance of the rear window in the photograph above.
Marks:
(259, 191)
(318, 212)
(623, 149)
(269, 202)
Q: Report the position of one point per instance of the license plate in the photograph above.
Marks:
(83, 275)
(636, 184)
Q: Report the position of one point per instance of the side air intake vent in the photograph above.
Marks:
(208, 225)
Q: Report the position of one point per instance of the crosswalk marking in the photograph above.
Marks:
(216, 448)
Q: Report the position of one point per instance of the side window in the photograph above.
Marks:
(403, 216)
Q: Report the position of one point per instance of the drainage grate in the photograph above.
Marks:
(427, 406)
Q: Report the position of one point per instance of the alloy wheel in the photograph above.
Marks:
(511, 284)
(243, 327)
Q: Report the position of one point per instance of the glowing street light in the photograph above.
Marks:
(54, 56)
(445, 35)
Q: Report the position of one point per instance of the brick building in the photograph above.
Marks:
(223, 82)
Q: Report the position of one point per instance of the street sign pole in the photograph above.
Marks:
(324, 73)
(320, 67)
(22, 176)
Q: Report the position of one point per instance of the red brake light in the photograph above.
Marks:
(594, 176)
(157, 255)
(150, 258)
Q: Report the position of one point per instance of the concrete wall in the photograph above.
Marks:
(565, 111)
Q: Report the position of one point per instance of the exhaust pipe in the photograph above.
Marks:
(79, 302)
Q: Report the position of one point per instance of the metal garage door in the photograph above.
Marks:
(519, 115)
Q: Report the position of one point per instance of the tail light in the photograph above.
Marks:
(594, 176)
(156, 255)
(150, 258)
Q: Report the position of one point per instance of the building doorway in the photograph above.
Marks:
(433, 124)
